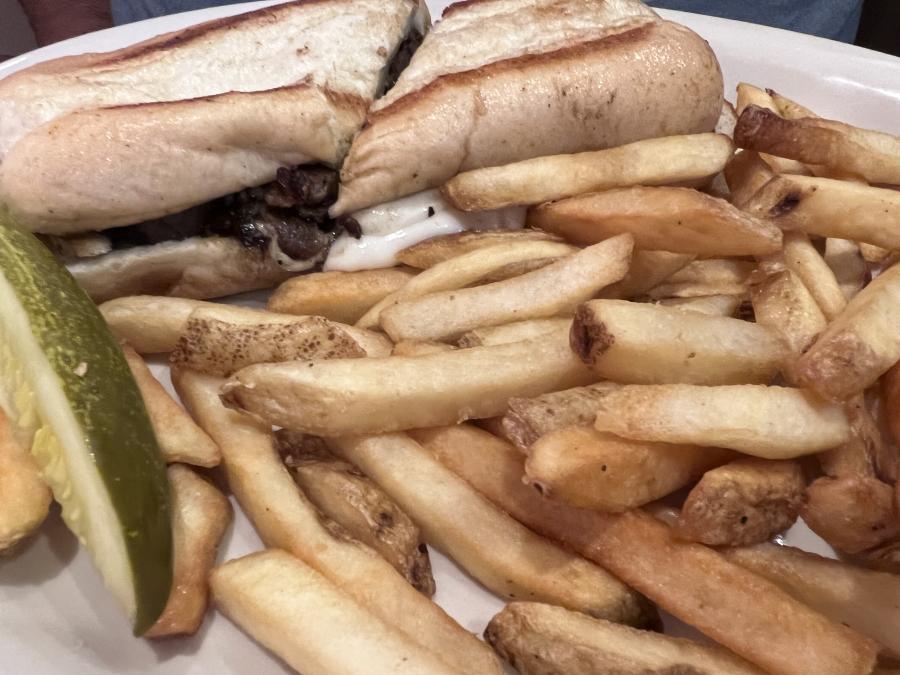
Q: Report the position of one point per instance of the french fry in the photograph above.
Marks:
(354, 396)
(545, 640)
(789, 109)
(26, 498)
(528, 419)
(874, 254)
(150, 324)
(312, 623)
(872, 155)
(179, 437)
(861, 455)
(517, 331)
(845, 259)
(339, 296)
(802, 258)
(852, 513)
(783, 304)
(744, 502)
(468, 268)
(419, 348)
(859, 598)
(647, 269)
(768, 422)
(727, 120)
(710, 305)
(344, 494)
(859, 345)
(662, 218)
(890, 386)
(656, 161)
(746, 174)
(201, 514)
(830, 208)
(555, 290)
(705, 277)
(591, 469)
(748, 95)
(650, 344)
(691, 581)
(285, 519)
(438, 249)
(505, 556)
(219, 342)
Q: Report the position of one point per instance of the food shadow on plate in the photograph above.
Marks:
(42, 556)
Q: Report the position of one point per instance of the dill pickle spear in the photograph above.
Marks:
(65, 385)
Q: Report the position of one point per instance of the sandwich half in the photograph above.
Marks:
(203, 162)
(498, 81)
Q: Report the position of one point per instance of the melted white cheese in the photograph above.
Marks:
(393, 226)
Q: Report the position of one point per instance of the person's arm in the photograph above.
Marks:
(53, 20)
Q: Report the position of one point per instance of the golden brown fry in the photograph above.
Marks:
(710, 305)
(24, 496)
(845, 259)
(200, 516)
(802, 258)
(348, 396)
(746, 174)
(769, 422)
(541, 639)
(890, 386)
(344, 494)
(663, 218)
(531, 329)
(339, 296)
(874, 254)
(748, 95)
(830, 208)
(783, 304)
(872, 155)
(216, 343)
(789, 109)
(744, 502)
(651, 344)
(284, 518)
(700, 278)
(503, 555)
(585, 467)
(179, 437)
(554, 290)
(671, 160)
(853, 513)
(312, 623)
(859, 598)
(150, 324)
(861, 455)
(690, 581)
(473, 266)
(419, 348)
(647, 269)
(727, 119)
(859, 345)
(438, 249)
(527, 419)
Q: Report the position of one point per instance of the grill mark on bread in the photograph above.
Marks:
(640, 30)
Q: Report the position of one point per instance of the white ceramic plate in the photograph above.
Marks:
(55, 615)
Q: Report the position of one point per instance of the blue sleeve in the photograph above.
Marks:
(126, 11)
(833, 19)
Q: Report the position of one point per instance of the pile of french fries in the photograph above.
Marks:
(610, 413)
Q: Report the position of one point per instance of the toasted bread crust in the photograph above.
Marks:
(586, 96)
